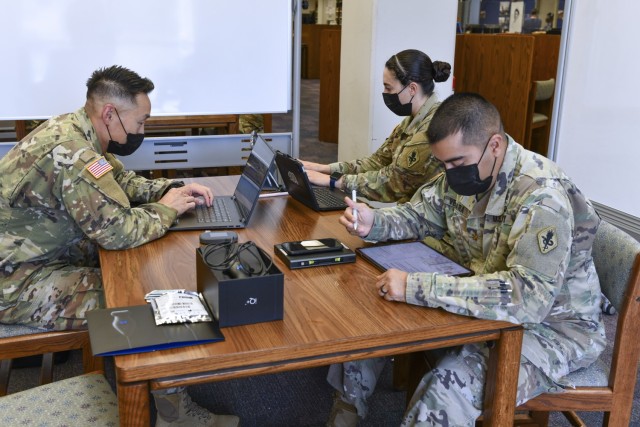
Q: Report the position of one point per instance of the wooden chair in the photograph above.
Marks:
(540, 109)
(600, 388)
(608, 384)
(21, 341)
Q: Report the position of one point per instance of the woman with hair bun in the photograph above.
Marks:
(403, 163)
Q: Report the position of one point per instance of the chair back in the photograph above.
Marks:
(545, 89)
(614, 255)
(617, 259)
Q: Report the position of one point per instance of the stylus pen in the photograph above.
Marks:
(355, 210)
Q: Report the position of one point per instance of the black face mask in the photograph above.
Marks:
(392, 101)
(465, 180)
(133, 142)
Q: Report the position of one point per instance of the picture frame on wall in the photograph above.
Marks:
(516, 17)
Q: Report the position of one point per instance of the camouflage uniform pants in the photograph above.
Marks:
(452, 393)
(52, 297)
(356, 381)
(449, 395)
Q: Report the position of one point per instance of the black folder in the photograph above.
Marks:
(127, 330)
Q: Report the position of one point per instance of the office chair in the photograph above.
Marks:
(608, 384)
(539, 113)
(21, 341)
(598, 387)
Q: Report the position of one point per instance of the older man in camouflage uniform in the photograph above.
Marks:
(63, 194)
(248, 123)
(517, 221)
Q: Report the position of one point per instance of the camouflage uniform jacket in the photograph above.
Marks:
(528, 240)
(52, 209)
(401, 165)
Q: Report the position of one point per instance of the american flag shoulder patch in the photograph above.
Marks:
(99, 167)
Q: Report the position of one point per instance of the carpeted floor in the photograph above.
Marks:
(297, 398)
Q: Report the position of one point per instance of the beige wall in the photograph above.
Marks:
(356, 79)
(372, 31)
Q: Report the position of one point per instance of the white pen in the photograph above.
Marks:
(355, 210)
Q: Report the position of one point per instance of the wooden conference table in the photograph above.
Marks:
(331, 314)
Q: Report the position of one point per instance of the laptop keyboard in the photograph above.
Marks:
(217, 212)
(326, 198)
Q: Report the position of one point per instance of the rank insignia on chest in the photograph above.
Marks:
(99, 167)
(547, 239)
(412, 159)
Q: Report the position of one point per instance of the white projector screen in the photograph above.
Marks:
(204, 56)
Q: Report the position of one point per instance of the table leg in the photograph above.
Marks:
(502, 378)
(133, 404)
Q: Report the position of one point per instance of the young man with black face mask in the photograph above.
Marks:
(63, 194)
(403, 162)
(525, 230)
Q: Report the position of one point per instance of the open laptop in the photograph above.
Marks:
(233, 211)
(299, 187)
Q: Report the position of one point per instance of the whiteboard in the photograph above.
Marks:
(598, 120)
(204, 56)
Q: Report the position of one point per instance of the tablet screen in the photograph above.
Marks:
(412, 257)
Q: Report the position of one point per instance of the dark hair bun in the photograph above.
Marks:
(441, 71)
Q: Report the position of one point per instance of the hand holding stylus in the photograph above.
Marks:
(357, 218)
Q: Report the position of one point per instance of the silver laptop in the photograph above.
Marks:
(233, 211)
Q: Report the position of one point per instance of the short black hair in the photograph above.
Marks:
(469, 113)
(117, 82)
(412, 65)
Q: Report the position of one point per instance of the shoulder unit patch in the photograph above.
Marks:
(547, 239)
(412, 159)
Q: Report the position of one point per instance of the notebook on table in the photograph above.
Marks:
(298, 186)
(233, 211)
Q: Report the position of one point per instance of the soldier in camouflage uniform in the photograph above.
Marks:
(248, 123)
(516, 220)
(63, 194)
(403, 163)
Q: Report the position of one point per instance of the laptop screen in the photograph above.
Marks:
(253, 176)
(295, 178)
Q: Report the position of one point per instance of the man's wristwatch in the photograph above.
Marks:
(333, 178)
(174, 184)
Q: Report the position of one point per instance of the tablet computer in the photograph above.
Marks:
(412, 257)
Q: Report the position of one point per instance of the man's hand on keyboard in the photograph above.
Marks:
(195, 189)
(184, 198)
